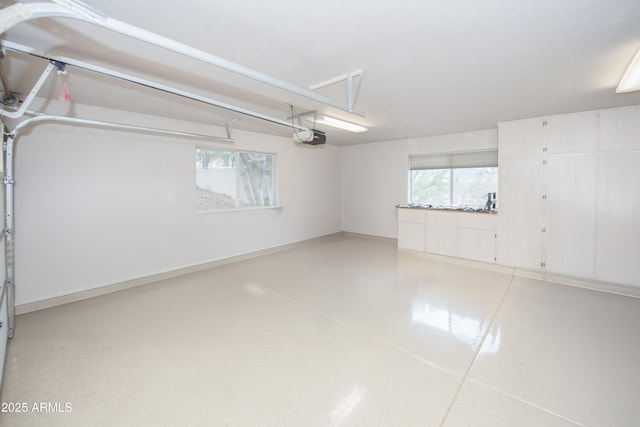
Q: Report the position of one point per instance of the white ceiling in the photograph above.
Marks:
(431, 67)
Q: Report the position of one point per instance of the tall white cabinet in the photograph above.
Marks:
(571, 214)
(618, 200)
(570, 203)
(520, 149)
(570, 195)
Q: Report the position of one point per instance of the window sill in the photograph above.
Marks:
(256, 208)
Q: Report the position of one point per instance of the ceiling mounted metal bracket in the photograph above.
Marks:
(22, 12)
(227, 127)
(61, 66)
(353, 86)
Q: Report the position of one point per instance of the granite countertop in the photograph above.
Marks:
(445, 208)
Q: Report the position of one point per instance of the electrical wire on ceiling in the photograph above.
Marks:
(310, 136)
(296, 134)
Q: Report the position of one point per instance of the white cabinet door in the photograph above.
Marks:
(520, 138)
(442, 233)
(519, 240)
(572, 133)
(571, 214)
(520, 217)
(620, 129)
(618, 218)
(411, 229)
(477, 244)
(411, 236)
(477, 237)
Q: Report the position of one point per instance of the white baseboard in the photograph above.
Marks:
(497, 268)
(389, 240)
(48, 302)
(596, 285)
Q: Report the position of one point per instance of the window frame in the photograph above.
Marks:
(274, 180)
(451, 161)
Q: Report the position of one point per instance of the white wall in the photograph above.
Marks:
(373, 182)
(92, 205)
(375, 177)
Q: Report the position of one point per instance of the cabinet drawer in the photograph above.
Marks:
(478, 220)
(412, 215)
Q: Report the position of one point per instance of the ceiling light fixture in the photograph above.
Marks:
(631, 80)
(340, 124)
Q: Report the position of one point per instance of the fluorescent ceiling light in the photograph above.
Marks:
(340, 124)
(631, 79)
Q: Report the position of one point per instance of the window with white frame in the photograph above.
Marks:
(457, 180)
(227, 179)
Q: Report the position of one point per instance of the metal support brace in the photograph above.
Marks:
(353, 86)
(110, 125)
(36, 88)
(9, 237)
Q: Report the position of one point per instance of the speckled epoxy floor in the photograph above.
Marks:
(340, 332)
